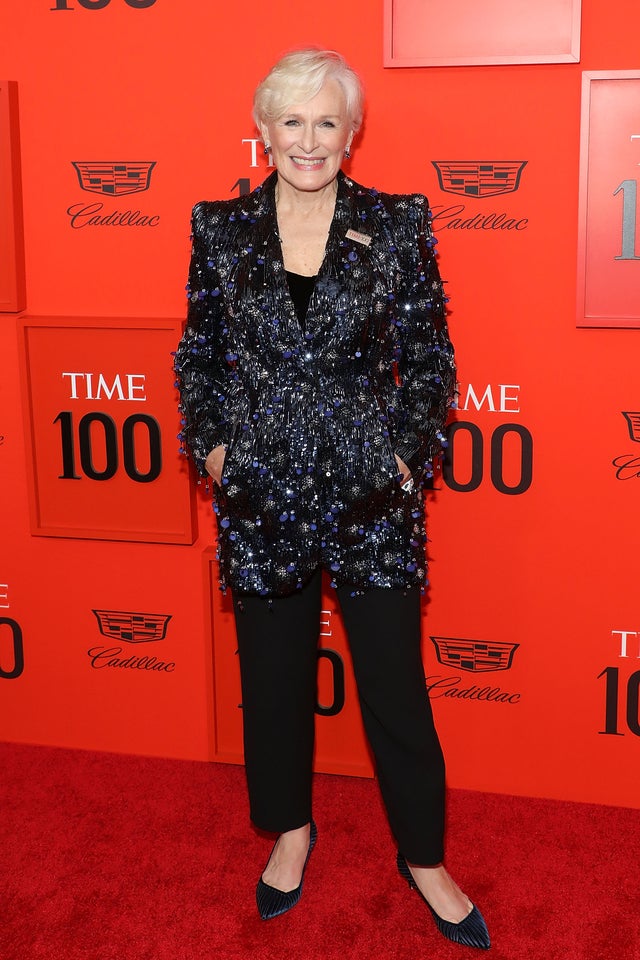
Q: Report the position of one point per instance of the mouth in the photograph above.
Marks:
(308, 163)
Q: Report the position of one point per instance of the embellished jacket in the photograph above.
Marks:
(312, 418)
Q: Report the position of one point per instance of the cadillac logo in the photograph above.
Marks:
(628, 464)
(476, 656)
(114, 179)
(132, 627)
(633, 423)
(479, 178)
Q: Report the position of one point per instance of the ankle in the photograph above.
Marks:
(300, 835)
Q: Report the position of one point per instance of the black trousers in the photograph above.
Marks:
(277, 645)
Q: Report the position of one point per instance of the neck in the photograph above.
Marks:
(305, 202)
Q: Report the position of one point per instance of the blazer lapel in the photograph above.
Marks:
(342, 295)
(260, 290)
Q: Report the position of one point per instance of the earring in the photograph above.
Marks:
(267, 148)
(347, 153)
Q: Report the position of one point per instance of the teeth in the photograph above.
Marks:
(307, 163)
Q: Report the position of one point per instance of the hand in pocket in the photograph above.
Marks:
(214, 463)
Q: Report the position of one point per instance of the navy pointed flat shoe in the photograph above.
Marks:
(471, 932)
(271, 901)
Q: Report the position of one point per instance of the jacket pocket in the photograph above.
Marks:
(383, 424)
(226, 464)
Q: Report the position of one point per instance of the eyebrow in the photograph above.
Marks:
(296, 116)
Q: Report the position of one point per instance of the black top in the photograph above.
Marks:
(300, 288)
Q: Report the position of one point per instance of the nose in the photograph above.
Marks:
(308, 138)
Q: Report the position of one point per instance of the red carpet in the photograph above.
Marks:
(109, 857)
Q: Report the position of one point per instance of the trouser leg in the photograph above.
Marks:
(383, 628)
(277, 646)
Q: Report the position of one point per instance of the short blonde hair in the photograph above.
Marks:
(298, 76)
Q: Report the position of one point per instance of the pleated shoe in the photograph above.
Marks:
(471, 932)
(273, 902)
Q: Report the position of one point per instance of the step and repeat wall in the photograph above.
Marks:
(521, 122)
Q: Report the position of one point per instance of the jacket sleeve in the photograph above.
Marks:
(425, 359)
(200, 364)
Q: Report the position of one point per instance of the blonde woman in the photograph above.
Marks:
(315, 375)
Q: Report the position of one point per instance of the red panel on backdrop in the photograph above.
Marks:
(419, 34)
(12, 280)
(609, 230)
(102, 452)
(534, 525)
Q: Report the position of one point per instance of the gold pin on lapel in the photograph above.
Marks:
(358, 237)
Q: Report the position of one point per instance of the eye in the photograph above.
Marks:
(291, 123)
(328, 123)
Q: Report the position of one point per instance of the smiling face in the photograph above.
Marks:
(308, 141)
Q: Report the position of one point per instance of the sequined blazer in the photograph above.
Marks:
(312, 418)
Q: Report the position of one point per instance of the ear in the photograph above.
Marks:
(264, 133)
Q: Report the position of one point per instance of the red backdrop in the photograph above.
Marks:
(129, 112)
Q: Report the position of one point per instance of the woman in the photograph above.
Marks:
(315, 376)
